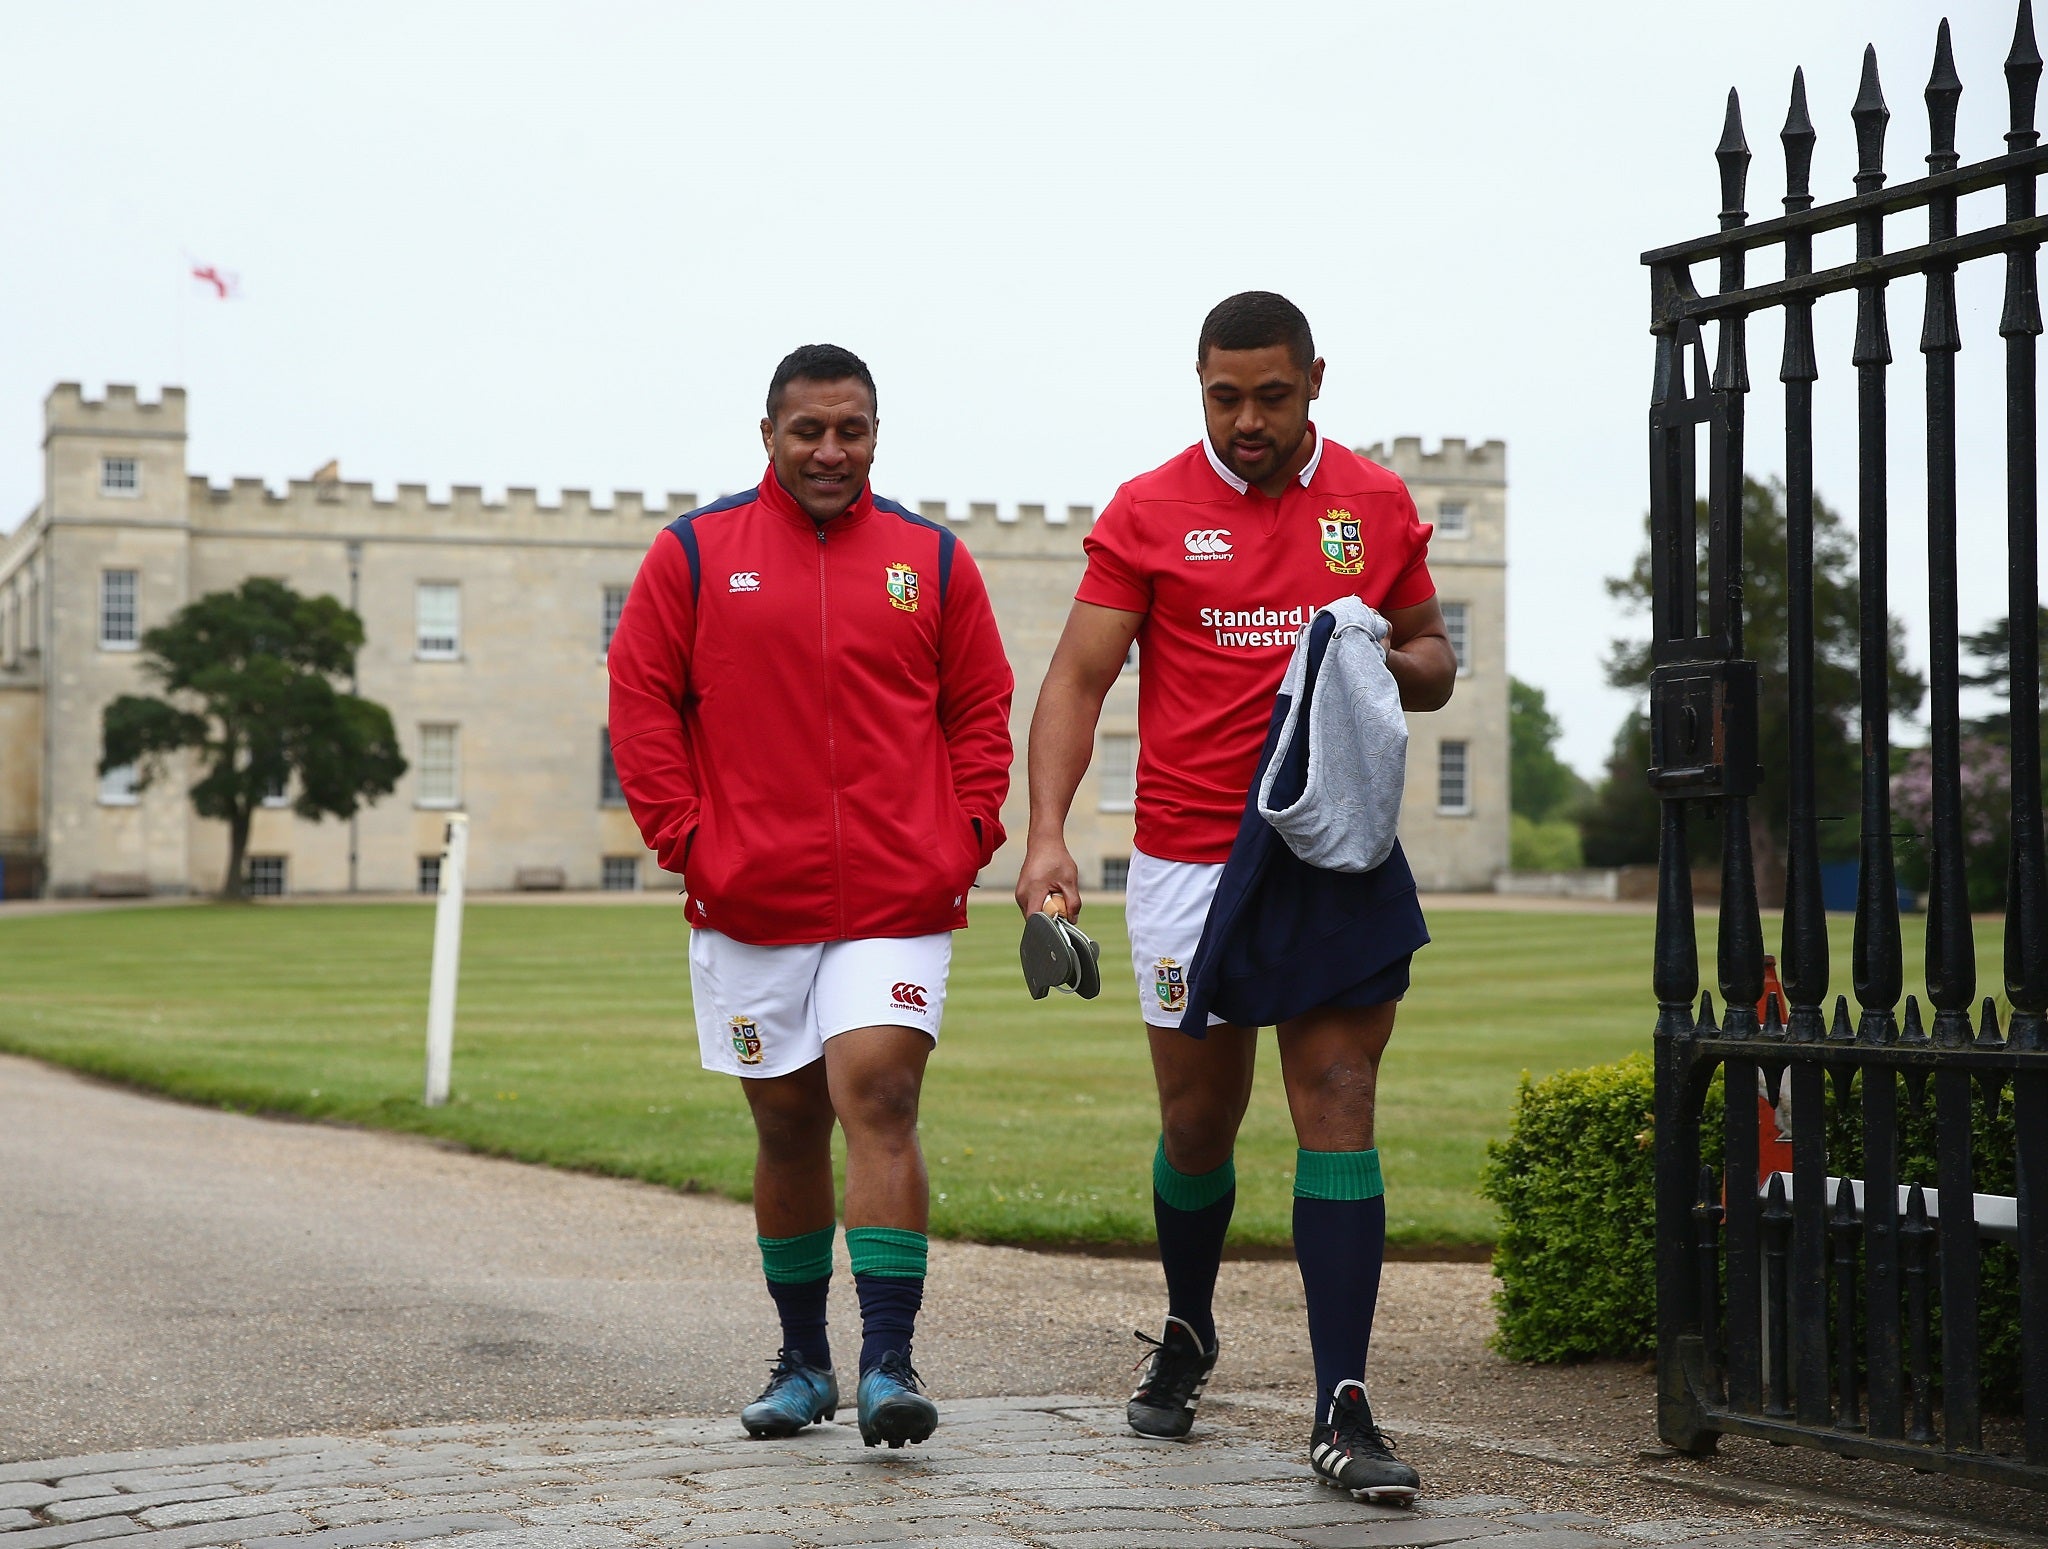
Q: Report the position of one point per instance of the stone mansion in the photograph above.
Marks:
(486, 627)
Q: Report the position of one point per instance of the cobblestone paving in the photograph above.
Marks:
(1051, 1472)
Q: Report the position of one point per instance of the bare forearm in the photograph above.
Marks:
(1062, 741)
(1426, 670)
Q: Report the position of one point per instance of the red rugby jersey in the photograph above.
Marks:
(1226, 578)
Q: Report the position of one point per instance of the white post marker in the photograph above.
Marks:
(447, 960)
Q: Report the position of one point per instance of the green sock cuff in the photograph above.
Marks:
(888, 1251)
(792, 1260)
(1337, 1175)
(1191, 1192)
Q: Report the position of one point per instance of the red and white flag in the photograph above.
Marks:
(220, 284)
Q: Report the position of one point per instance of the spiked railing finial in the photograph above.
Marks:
(1797, 137)
(1870, 116)
(2023, 80)
(1733, 155)
(1944, 91)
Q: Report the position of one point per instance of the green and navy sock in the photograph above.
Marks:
(888, 1276)
(799, 1273)
(1340, 1242)
(1192, 1214)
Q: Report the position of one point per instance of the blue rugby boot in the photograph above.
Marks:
(796, 1396)
(892, 1406)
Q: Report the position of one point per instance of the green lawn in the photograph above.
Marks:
(574, 1046)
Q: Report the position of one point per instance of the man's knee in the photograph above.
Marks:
(881, 1105)
(1350, 1080)
(1199, 1132)
(792, 1114)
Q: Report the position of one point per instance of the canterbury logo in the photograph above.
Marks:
(911, 995)
(1208, 543)
(744, 581)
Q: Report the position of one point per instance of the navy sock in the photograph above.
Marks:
(1192, 1215)
(888, 1315)
(801, 1305)
(1340, 1244)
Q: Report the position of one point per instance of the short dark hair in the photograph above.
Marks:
(1256, 320)
(818, 363)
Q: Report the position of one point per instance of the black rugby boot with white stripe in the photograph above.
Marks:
(1179, 1368)
(1353, 1454)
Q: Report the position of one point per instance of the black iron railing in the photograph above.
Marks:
(1805, 1310)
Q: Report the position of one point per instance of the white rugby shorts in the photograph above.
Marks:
(766, 1011)
(1166, 903)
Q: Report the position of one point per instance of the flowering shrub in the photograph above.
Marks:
(1987, 818)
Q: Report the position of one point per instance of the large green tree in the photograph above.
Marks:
(1541, 785)
(249, 681)
(1991, 650)
(1836, 721)
(1618, 823)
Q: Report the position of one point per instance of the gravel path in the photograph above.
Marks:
(181, 1277)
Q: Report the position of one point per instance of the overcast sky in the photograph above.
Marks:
(565, 244)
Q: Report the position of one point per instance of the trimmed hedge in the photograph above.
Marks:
(1575, 1181)
(1575, 1184)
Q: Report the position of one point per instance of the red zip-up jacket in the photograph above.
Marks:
(812, 724)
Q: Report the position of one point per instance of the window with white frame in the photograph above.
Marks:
(621, 874)
(117, 611)
(120, 476)
(1452, 519)
(266, 876)
(437, 610)
(439, 775)
(429, 874)
(609, 792)
(118, 787)
(1458, 625)
(1116, 772)
(1116, 873)
(1453, 777)
(614, 610)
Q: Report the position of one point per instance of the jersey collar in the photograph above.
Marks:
(783, 503)
(1223, 472)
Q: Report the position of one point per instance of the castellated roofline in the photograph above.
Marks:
(464, 500)
(467, 502)
(1453, 461)
(988, 513)
(68, 408)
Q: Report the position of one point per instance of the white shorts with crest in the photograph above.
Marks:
(766, 1011)
(1166, 904)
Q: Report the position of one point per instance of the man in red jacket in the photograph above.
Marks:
(810, 718)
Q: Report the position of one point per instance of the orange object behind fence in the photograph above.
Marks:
(1773, 1143)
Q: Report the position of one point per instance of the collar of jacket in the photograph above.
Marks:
(779, 500)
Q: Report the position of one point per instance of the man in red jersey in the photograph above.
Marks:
(1213, 564)
(810, 719)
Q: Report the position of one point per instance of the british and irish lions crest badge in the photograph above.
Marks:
(1343, 547)
(1170, 984)
(746, 1040)
(903, 588)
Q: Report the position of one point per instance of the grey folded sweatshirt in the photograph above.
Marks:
(1357, 747)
